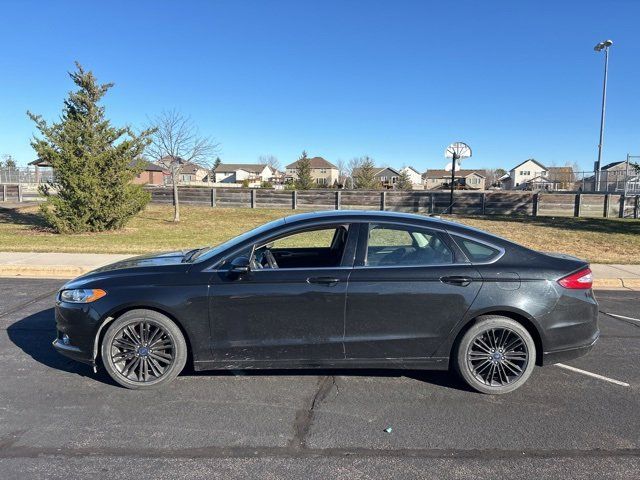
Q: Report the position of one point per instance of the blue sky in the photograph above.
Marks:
(396, 80)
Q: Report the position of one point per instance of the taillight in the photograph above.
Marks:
(582, 279)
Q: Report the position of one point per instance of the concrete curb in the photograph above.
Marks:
(69, 271)
(49, 271)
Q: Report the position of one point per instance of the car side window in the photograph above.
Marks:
(392, 245)
(307, 239)
(316, 248)
(476, 251)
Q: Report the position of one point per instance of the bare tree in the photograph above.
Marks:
(270, 160)
(351, 169)
(176, 142)
(342, 173)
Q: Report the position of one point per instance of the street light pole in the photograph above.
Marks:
(599, 47)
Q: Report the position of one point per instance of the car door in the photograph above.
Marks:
(408, 289)
(288, 314)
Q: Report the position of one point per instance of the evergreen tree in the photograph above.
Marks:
(94, 163)
(8, 163)
(216, 163)
(303, 168)
(404, 181)
(364, 176)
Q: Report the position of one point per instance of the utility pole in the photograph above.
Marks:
(598, 48)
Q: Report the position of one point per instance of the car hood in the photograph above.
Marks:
(132, 266)
(148, 260)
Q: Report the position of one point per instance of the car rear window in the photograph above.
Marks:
(477, 251)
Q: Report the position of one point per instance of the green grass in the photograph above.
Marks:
(595, 239)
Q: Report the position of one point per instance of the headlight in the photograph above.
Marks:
(82, 295)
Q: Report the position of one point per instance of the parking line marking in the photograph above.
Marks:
(622, 317)
(594, 375)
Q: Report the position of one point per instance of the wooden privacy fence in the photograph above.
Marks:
(419, 201)
(16, 193)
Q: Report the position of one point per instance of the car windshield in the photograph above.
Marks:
(209, 252)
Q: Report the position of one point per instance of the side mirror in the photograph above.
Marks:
(240, 265)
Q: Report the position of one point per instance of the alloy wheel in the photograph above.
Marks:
(142, 351)
(497, 357)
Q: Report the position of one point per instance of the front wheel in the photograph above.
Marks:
(496, 355)
(143, 349)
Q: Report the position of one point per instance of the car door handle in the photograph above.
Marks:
(458, 280)
(328, 281)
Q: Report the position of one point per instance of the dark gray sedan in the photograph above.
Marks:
(339, 289)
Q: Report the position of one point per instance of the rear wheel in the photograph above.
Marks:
(143, 349)
(496, 355)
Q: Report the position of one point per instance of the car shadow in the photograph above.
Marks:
(33, 335)
(443, 379)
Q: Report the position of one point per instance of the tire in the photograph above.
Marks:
(496, 355)
(143, 349)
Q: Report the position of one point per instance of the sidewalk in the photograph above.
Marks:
(70, 265)
(53, 265)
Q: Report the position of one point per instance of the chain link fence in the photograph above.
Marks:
(621, 178)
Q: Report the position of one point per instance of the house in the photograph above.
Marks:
(190, 172)
(387, 176)
(524, 172)
(253, 173)
(413, 174)
(151, 174)
(532, 175)
(324, 173)
(612, 178)
(465, 179)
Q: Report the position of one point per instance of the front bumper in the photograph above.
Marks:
(75, 353)
(80, 322)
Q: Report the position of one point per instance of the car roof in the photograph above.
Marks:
(363, 215)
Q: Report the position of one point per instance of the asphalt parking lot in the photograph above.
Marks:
(60, 420)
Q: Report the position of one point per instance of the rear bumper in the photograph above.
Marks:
(556, 356)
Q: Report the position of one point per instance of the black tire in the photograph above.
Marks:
(143, 349)
(496, 355)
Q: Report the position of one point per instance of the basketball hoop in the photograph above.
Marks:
(456, 152)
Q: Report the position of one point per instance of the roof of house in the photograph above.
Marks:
(410, 168)
(539, 179)
(191, 168)
(316, 162)
(247, 167)
(147, 166)
(610, 165)
(378, 170)
(530, 160)
(40, 163)
(436, 173)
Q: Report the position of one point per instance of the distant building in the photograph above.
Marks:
(532, 175)
(612, 179)
(151, 174)
(413, 174)
(253, 173)
(465, 179)
(323, 173)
